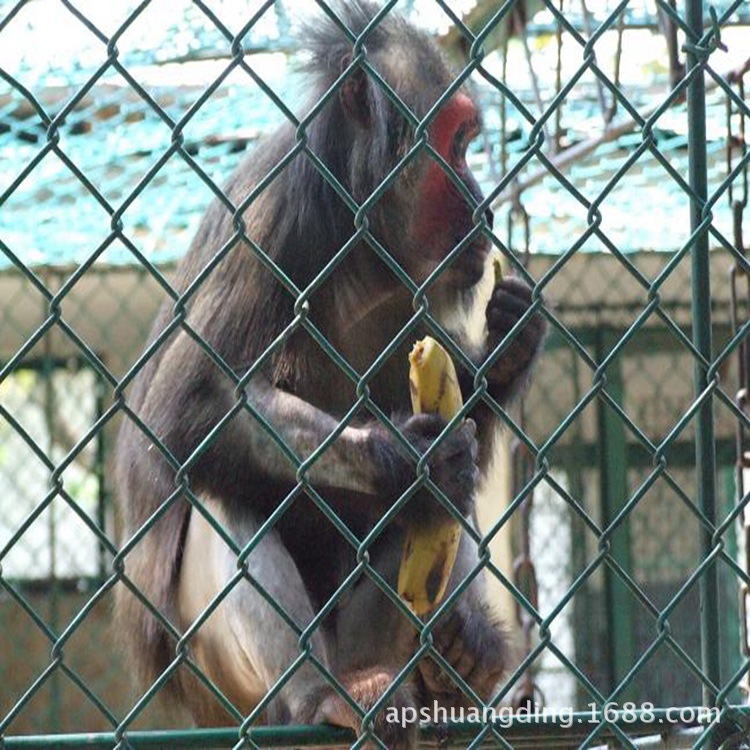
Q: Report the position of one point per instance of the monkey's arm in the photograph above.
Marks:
(508, 376)
(353, 461)
(510, 300)
(267, 438)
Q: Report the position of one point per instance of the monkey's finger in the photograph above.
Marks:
(446, 632)
(515, 286)
(459, 445)
(334, 710)
(483, 677)
(501, 320)
(460, 657)
(469, 426)
(427, 425)
(468, 434)
(504, 300)
(504, 314)
(430, 672)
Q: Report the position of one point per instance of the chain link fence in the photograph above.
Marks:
(615, 158)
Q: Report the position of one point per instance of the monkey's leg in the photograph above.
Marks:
(471, 639)
(374, 641)
(245, 645)
(468, 636)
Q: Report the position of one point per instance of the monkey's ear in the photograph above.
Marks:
(355, 94)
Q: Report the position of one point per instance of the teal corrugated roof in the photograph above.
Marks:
(115, 138)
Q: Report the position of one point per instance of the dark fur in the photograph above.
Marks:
(241, 309)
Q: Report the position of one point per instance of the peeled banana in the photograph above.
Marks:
(497, 266)
(429, 554)
(433, 383)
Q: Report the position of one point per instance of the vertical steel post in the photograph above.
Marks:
(701, 311)
(613, 482)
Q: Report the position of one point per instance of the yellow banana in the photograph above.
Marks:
(433, 383)
(497, 266)
(429, 554)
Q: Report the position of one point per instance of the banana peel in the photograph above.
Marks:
(429, 554)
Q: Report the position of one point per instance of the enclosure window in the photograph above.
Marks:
(551, 537)
(52, 404)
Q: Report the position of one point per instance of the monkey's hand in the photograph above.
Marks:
(510, 300)
(452, 465)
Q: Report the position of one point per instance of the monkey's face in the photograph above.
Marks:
(429, 213)
(445, 216)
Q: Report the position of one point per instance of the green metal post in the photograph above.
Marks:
(613, 482)
(705, 457)
(730, 632)
(101, 473)
(46, 372)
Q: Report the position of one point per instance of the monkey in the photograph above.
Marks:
(276, 389)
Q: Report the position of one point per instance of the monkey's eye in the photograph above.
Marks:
(460, 142)
(464, 135)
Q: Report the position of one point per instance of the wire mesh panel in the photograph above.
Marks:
(295, 193)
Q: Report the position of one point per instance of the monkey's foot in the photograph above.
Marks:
(366, 688)
(475, 647)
